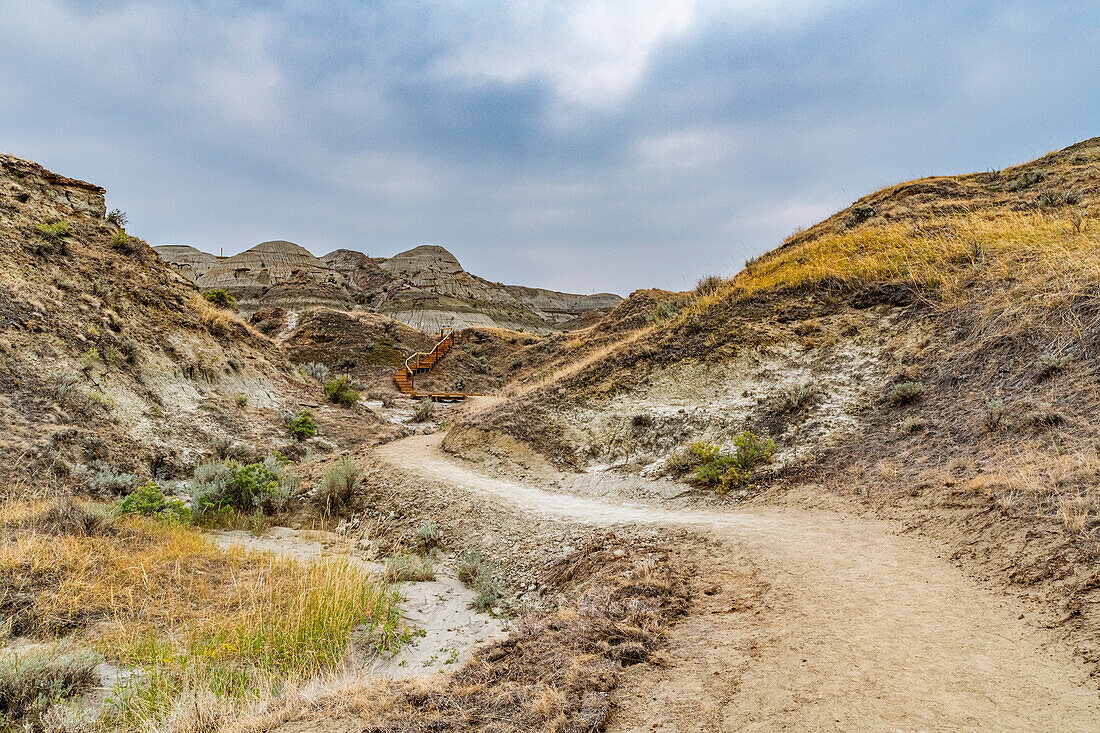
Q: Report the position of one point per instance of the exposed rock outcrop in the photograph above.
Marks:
(425, 287)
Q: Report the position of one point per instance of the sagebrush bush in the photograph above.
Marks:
(233, 487)
(30, 683)
(338, 486)
(220, 298)
(315, 371)
(904, 393)
(424, 410)
(301, 425)
(711, 466)
(341, 392)
(387, 399)
(428, 535)
(102, 478)
(477, 572)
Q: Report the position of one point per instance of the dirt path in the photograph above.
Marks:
(863, 629)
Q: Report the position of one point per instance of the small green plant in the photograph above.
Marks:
(53, 238)
(338, 486)
(994, 411)
(904, 393)
(149, 500)
(340, 391)
(424, 410)
(798, 398)
(477, 572)
(220, 298)
(428, 535)
(242, 400)
(301, 425)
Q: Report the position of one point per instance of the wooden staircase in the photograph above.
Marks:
(421, 362)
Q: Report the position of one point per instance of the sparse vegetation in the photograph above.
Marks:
(341, 392)
(476, 571)
(117, 217)
(386, 398)
(709, 284)
(53, 238)
(338, 486)
(31, 682)
(242, 400)
(409, 568)
(424, 410)
(301, 425)
(188, 617)
(904, 392)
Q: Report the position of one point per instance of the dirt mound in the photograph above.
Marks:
(106, 354)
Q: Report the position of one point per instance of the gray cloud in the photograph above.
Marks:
(577, 145)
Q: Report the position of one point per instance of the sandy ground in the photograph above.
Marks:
(439, 608)
(860, 628)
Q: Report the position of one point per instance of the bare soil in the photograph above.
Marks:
(860, 628)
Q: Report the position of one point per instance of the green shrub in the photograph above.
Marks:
(724, 471)
(338, 486)
(53, 237)
(301, 425)
(904, 393)
(424, 410)
(232, 487)
(340, 391)
(477, 572)
(31, 683)
(116, 217)
(149, 500)
(220, 298)
(242, 400)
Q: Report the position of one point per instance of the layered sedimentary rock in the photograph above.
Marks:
(425, 287)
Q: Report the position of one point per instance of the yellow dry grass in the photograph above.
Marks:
(192, 616)
(1029, 251)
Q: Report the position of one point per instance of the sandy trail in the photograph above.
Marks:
(864, 629)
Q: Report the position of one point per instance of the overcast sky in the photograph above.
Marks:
(582, 146)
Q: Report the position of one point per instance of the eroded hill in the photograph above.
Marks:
(425, 287)
(106, 353)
